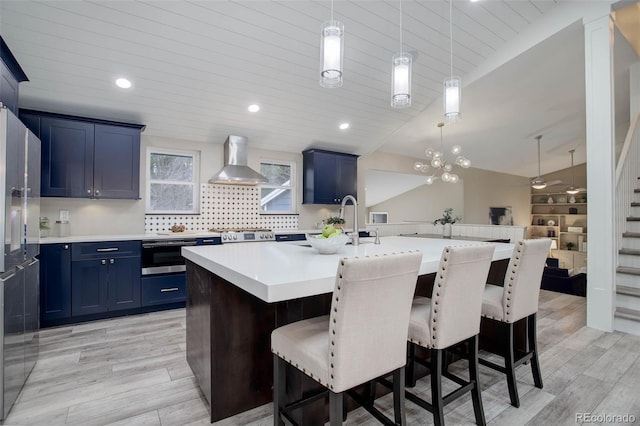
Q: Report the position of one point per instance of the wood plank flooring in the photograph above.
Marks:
(132, 371)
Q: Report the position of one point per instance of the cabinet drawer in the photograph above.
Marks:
(163, 289)
(81, 251)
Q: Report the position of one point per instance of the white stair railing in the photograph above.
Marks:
(627, 174)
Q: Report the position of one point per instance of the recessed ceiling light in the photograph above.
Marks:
(343, 126)
(473, 1)
(123, 83)
(254, 108)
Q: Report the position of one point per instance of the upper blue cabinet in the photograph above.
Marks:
(10, 75)
(85, 158)
(328, 176)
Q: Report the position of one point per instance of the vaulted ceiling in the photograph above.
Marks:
(197, 65)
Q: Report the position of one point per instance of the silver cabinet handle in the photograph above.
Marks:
(102, 250)
(166, 290)
(208, 241)
(97, 192)
(89, 191)
(66, 247)
(103, 262)
(111, 261)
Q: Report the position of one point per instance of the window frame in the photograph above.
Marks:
(292, 187)
(195, 158)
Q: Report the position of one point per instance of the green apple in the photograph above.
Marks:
(328, 230)
(335, 233)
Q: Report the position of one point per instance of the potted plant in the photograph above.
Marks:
(447, 220)
(570, 246)
(336, 221)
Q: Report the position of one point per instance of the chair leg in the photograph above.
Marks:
(398, 397)
(509, 367)
(436, 387)
(411, 358)
(279, 389)
(476, 397)
(533, 346)
(335, 409)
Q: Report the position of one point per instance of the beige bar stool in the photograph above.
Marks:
(449, 318)
(364, 336)
(517, 299)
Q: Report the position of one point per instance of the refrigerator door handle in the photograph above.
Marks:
(6, 278)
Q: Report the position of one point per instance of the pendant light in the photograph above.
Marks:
(401, 75)
(572, 189)
(452, 85)
(331, 52)
(538, 182)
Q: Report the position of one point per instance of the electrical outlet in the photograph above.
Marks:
(64, 215)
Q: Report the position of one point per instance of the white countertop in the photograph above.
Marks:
(276, 271)
(127, 237)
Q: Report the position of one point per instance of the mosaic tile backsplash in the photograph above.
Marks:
(223, 206)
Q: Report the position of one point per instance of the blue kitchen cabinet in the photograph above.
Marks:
(55, 281)
(86, 158)
(89, 287)
(116, 165)
(328, 176)
(105, 277)
(163, 289)
(67, 157)
(11, 74)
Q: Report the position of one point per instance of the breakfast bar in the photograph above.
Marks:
(238, 293)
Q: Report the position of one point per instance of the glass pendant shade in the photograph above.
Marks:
(572, 190)
(401, 80)
(331, 52)
(452, 98)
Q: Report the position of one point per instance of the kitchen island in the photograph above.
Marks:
(238, 293)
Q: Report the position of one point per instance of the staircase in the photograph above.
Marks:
(627, 297)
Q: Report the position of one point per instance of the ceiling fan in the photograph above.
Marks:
(538, 182)
(572, 189)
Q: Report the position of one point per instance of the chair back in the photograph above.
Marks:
(369, 319)
(523, 278)
(456, 300)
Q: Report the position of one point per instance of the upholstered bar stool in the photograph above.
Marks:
(451, 317)
(364, 336)
(517, 299)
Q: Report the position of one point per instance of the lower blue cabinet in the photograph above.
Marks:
(55, 281)
(162, 289)
(105, 277)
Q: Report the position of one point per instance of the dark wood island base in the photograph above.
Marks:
(228, 334)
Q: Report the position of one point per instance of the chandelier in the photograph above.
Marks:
(440, 167)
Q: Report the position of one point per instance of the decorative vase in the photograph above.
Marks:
(446, 230)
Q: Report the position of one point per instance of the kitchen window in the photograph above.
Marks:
(172, 181)
(278, 195)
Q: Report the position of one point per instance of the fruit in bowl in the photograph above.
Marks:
(330, 244)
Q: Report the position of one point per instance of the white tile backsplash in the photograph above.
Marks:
(223, 206)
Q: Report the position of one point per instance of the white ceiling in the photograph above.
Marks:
(197, 65)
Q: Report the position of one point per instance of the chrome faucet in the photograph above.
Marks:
(355, 236)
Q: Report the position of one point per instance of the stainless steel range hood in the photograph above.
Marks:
(235, 170)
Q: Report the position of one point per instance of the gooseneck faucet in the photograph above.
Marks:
(355, 236)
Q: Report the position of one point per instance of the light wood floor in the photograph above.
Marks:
(132, 371)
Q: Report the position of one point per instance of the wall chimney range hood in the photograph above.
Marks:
(235, 170)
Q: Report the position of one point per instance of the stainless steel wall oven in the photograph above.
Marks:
(164, 256)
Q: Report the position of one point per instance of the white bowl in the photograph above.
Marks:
(327, 245)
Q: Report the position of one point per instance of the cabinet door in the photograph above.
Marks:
(124, 283)
(55, 281)
(325, 178)
(89, 292)
(117, 162)
(346, 182)
(8, 89)
(67, 157)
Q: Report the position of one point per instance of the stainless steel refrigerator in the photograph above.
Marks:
(19, 266)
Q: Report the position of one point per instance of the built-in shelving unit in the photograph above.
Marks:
(563, 218)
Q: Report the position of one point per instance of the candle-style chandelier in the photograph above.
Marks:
(440, 167)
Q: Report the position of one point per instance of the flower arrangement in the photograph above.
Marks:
(447, 217)
(334, 220)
